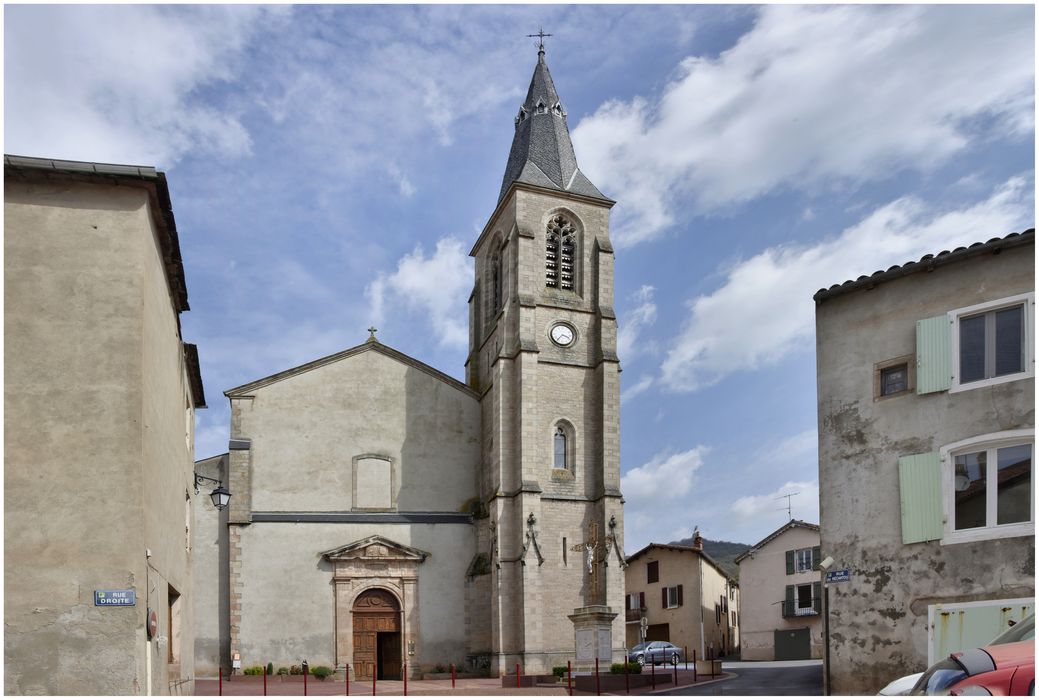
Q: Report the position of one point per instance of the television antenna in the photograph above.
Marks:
(788, 509)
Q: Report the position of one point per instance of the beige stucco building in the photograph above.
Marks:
(780, 579)
(385, 513)
(926, 377)
(99, 398)
(685, 597)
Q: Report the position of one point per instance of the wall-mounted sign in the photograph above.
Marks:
(153, 623)
(838, 576)
(115, 597)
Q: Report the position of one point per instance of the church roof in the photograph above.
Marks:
(371, 345)
(542, 153)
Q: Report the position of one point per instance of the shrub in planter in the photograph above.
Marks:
(270, 668)
(253, 671)
(439, 668)
(633, 667)
(559, 671)
(282, 671)
(321, 672)
(295, 671)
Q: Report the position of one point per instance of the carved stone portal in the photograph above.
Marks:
(376, 605)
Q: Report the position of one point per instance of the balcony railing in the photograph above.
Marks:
(634, 615)
(793, 608)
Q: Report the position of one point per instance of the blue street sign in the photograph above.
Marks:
(838, 576)
(115, 597)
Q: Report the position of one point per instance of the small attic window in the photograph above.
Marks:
(557, 109)
(522, 115)
(541, 107)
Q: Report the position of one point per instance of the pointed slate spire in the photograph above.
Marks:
(542, 153)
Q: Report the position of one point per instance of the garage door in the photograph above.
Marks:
(793, 645)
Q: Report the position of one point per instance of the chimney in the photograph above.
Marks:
(697, 541)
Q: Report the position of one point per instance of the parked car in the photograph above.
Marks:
(996, 669)
(1017, 632)
(901, 686)
(655, 653)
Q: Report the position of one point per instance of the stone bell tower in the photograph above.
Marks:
(542, 354)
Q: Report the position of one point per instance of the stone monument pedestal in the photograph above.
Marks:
(593, 636)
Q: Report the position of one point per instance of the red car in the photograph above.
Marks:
(997, 669)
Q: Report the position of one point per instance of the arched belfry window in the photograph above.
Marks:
(559, 445)
(497, 281)
(560, 248)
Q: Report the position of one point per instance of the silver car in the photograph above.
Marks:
(655, 653)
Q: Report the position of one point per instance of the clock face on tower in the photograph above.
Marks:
(562, 335)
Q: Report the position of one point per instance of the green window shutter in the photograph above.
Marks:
(817, 597)
(817, 553)
(789, 561)
(920, 490)
(679, 595)
(933, 356)
(788, 602)
(663, 597)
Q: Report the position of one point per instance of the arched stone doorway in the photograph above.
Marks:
(377, 635)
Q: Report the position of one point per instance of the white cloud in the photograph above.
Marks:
(810, 97)
(642, 385)
(764, 310)
(434, 288)
(630, 338)
(656, 495)
(123, 83)
(669, 475)
(769, 510)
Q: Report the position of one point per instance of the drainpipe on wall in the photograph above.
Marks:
(702, 648)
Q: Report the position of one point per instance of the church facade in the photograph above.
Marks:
(392, 518)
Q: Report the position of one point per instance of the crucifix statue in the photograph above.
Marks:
(595, 552)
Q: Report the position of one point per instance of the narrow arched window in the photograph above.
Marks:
(560, 249)
(496, 272)
(559, 443)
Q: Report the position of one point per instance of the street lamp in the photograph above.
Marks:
(220, 495)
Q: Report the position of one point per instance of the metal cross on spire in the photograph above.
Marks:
(541, 39)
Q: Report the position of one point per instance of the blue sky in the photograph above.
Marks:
(330, 167)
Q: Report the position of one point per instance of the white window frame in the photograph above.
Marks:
(798, 610)
(672, 597)
(954, 340)
(797, 560)
(947, 455)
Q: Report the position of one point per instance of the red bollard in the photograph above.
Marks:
(348, 679)
(627, 689)
(517, 675)
(404, 672)
(597, 691)
(652, 673)
(569, 679)
(374, 674)
(710, 660)
(220, 683)
(452, 675)
(264, 680)
(306, 672)
(686, 650)
(694, 665)
(675, 669)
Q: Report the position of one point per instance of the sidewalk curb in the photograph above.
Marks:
(727, 675)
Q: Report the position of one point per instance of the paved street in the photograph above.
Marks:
(764, 678)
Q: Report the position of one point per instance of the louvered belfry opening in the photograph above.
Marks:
(560, 243)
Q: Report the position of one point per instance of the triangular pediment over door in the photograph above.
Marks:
(375, 548)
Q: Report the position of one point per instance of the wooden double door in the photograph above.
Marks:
(377, 635)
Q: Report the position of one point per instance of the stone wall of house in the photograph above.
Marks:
(879, 620)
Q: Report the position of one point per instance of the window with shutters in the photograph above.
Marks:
(801, 560)
(987, 487)
(561, 254)
(991, 343)
(802, 599)
(652, 572)
(671, 596)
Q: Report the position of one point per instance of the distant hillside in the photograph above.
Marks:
(722, 552)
